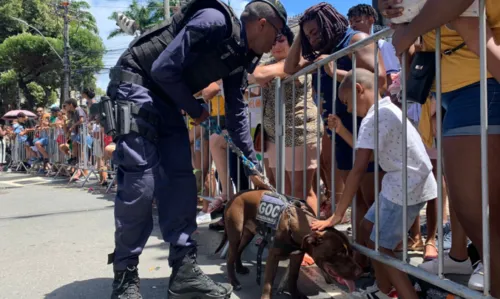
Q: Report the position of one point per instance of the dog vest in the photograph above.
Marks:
(271, 208)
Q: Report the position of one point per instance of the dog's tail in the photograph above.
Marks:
(222, 243)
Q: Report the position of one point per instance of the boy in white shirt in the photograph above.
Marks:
(421, 183)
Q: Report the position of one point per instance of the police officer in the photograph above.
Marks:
(153, 81)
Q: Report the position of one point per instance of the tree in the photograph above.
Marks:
(81, 17)
(26, 60)
(87, 51)
(37, 13)
(32, 60)
(145, 16)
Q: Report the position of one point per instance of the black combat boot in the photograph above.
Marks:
(126, 284)
(188, 281)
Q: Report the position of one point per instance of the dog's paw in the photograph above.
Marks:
(242, 270)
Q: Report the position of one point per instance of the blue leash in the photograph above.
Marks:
(213, 127)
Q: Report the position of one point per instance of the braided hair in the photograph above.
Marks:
(362, 10)
(332, 24)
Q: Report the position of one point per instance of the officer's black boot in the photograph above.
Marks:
(126, 284)
(188, 281)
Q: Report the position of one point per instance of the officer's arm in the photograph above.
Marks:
(208, 26)
(237, 123)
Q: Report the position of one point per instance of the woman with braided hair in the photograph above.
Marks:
(323, 31)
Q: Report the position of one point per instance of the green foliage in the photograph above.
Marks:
(28, 62)
(100, 92)
(145, 16)
(87, 51)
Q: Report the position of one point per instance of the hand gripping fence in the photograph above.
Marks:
(213, 127)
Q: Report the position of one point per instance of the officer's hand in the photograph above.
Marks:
(197, 121)
(258, 182)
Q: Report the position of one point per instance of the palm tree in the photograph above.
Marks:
(81, 17)
(144, 16)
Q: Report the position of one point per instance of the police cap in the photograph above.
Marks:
(277, 6)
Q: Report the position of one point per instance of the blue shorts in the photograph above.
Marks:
(391, 221)
(76, 138)
(463, 116)
(43, 141)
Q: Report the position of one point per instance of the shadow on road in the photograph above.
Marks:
(99, 288)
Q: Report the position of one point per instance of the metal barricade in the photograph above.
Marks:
(402, 265)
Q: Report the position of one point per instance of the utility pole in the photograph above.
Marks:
(66, 62)
(166, 7)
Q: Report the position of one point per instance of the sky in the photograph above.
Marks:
(102, 9)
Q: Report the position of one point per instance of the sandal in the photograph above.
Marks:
(413, 245)
(430, 257)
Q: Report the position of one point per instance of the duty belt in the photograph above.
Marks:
(118, 74)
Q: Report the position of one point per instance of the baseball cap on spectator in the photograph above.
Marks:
(55, 108)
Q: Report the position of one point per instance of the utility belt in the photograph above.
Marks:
(119, 117)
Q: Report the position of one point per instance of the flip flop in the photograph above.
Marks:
(430, 257)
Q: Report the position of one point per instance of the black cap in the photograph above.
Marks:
(278, 8)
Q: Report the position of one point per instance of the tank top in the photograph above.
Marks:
(326, 93)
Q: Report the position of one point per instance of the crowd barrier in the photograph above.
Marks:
(403, 264)
(89, 159)
(91, 149)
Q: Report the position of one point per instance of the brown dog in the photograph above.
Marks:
(330, 249)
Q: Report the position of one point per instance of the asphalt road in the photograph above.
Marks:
(54, 241)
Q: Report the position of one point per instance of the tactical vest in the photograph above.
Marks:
(214, 62)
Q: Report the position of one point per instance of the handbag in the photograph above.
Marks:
(258, 144)
(422, 75)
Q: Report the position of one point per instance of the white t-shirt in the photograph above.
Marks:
(391, 61)
(421, 182)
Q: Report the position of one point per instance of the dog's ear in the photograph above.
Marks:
(313, 239)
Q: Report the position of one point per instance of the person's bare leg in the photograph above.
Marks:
(218, 148)
(465, 193)
(270, 177)
(41, 150)
(205, 152)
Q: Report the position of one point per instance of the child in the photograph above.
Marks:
(421, 183)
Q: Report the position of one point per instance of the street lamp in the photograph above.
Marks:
(38, 31)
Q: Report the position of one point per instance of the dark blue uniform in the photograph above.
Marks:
(163, 170)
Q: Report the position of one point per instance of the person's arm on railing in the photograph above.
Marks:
(264, 74)
(294, 62)
(211, 91)
(434, 14)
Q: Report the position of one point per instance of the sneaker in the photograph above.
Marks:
(450, 266)
(126, 284)
(203, 218)
(373, 292)
(188, 281)
(476, 281)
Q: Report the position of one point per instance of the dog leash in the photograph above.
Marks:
(213, 127)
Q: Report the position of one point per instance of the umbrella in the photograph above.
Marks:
(13, 114)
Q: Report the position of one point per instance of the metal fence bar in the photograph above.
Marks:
(375, 149)
(334, 111)
(484, 147)
(439, 144)
(354, 138)
(405, 160)
(318, 148)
